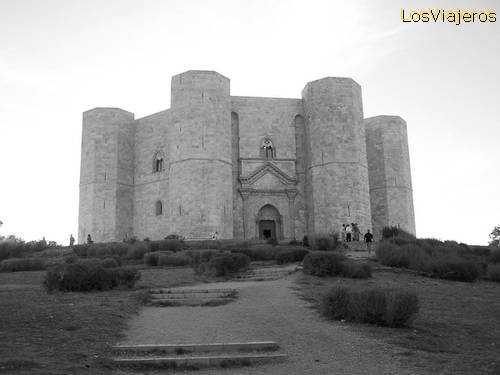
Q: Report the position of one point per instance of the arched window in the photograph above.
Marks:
(267, 149)
(158, 162)
(159, 208)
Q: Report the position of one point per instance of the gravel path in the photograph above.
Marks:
(269, 310)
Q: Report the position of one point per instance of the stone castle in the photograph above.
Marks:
(244, 167)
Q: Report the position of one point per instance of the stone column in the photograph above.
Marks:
(291, 194)
(246, 229)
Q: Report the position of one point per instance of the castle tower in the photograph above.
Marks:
(106, 175)
(390, 176)
(337, 175)
(201, 168)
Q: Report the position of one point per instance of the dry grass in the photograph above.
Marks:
(67, 333)
(457, 330)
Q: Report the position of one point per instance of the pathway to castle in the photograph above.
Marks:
(269, 310)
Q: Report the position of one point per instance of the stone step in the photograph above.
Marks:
(197, 348)
(216, 301)
(190, 296)
(186, 291)
(199, 361)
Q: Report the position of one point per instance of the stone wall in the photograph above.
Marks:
(216, 178)
(337, 165)
(106, 174)
(390, 176)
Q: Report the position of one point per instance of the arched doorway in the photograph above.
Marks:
(269, 223)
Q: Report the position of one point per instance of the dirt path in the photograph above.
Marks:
(269, 311)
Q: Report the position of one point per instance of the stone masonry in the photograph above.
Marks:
(243, 167)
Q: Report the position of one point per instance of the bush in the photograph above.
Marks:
(495, 256)
(291, 255)
(397, 235)
(258, 254)
(392, 255)
(373, 306)
(430, 256)
(272, 242)
(356, 270)
(458, 269)
(323, 264)
(86, 276)
(175, 260)
(324, 242)
(137, 250)
(81, 250)
(109, 263)
(151, 259)
(21, 264)
(294, 242)
(493, 272)
(11, 249)
(166, 245)
(119, 249)
(200, 256)
(401, 309)
(224, 264)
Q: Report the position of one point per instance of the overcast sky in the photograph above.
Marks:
(59, 58)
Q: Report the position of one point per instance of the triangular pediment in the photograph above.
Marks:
(268, 177)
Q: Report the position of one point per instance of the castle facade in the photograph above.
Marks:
(244, 167)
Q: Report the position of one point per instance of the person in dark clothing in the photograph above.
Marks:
(89, 239)
(368, 240)
(71, 240)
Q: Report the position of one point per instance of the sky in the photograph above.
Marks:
(59, 58)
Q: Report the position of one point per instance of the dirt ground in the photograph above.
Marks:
(271, 310)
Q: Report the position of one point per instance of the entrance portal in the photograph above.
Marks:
(269, 223)
(267, 229)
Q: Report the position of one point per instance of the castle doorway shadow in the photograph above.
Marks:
(269, 223)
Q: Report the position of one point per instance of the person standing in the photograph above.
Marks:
(215, 237)
(71, 240)
(368, 240)
(343, 233)
(348, 233)
(89, 239)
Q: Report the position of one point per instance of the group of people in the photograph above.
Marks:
(350, 232)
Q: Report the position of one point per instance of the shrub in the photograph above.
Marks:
(356, 270)
(493, 272)
(401, 309)
(397, 235)
(175, 260)
(335, 303)
(175, 237)
(109, 263)
(373, 306)
(125, 277)
(258, 254)
(294, 242)
(166, 245)
(391, 255)
(137, 250)
(224, 264)
(272, 242)
(119, 249)
(324, 242)
(456, 269)
(21, 264)
(495, 256)
(200, 256)
(88, 275)
(81, 250)
(291, 255)
(11, 249)
(323, 264)
(151, 259)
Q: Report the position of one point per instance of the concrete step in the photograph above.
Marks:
(199, 361)
(190, 296)
(187, 291)
(199, 348)
(215, 301)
